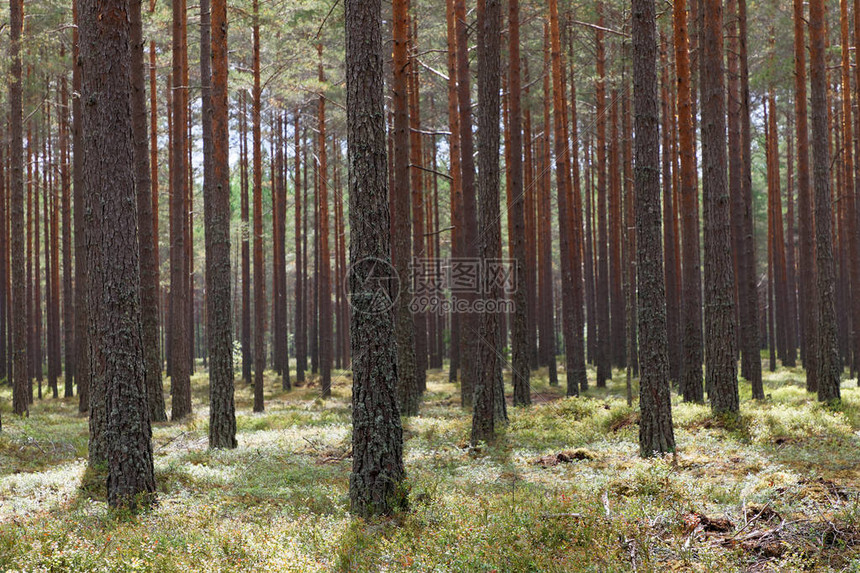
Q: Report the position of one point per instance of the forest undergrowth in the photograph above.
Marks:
(563, 489)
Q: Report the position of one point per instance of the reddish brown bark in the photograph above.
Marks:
(259, 274)
(416, 188)
(670, 272)
(828, 351)
(545, 282)
(469, 321)
(301, 311)
(456, 189)
(720, 363)
(603, 351)
(325, 326)
(401, 240)
(180, 382)
(749, 332)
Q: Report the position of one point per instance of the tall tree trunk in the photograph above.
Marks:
(113, 272)
(245, 208)
(416, 190)
(66, 207)
(806, 219)
(603, 355)
(259, 276)
(721, 381)
(575, 350)
(147, 240)
(180, 381)
(547, 331)
(489, 225)
(401, 248)
(848, 190)
(20, 400)
(82, 345)
(469, 327)
(569, 251)
(749, 335)
(216, 204)
(733, 111)
(301, 312)
(655, 430)
(669, 240)
(828, 350)
(691, 311)
(616, 291)
(456, 188)
(36, 261)
(325, 332)
(376, 481)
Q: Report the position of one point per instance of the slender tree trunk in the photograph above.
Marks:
(489, 72)
(575, 350)
(37, 263)
(259, 276)
(603, 354)
(147, 240)
(113, 272)
(180, 381)
(20, 400)
(82, 344)
(417, 191)
(720, 363)
(547, 331)
(301, 312)
(616, 291)
(325, 332)
(456, 188)
(749, 335)
(806, 219)
(66, 209)
(669, 240)
(401, 248)
(469, 327)
(376, 481)
(5, 365)
(244, 192)
(569, 250)
(216, 203)
(655, 430)
(848, 190)
(828, 349)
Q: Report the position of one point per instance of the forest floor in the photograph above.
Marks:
(563, 490)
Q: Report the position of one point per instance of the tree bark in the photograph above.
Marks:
(749, 335)
(469, 327)
(489, 224)
(401, 248)
(82, 345)
(325, 331)
(147, 240)
(113, 272)
(721, 375)
(216, 204)
(180, 381)
(259, 276)
(655, 429)
(603, 351)
(376, 481)
(20, 401)
(828, 349)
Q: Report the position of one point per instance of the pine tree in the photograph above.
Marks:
(376, 482)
